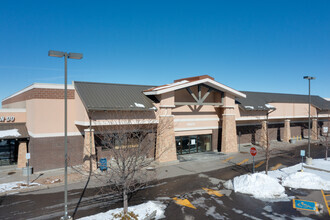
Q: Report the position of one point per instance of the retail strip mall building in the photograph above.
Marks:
(200, 114)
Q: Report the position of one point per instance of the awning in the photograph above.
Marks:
(13, 131)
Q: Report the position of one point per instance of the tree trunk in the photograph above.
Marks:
(125, 201)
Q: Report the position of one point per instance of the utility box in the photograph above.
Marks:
(103, 164)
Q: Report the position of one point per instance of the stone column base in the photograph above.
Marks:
(21, 159)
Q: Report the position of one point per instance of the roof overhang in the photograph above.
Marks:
(207, 81)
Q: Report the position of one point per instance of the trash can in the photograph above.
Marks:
(27, 171)
(103, 164)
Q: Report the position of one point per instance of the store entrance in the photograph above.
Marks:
(8, 152)
(193, 144)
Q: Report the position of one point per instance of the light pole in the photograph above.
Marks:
(309, 159)
(66, 55)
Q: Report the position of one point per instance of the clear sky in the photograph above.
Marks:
(261, 45)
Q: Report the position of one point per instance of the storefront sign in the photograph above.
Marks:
(7, 118)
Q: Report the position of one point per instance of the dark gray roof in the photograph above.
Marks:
(258, 100)
(107, 96)
(21, 128)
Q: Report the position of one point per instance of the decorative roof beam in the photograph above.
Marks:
(192, 94)
(197, 103)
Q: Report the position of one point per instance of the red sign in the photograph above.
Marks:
(253, 151)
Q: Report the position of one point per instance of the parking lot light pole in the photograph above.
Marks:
(309, 159)
(66, 55)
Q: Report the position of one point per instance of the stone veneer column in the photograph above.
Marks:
(314, 134)
(21, 159)
(229, 137)
(87, 151)
(287, 131)
(166, 146)
(263, 135)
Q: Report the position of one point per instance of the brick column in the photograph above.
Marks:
(263, 135)
(287, 131)
(87, 150)
(229, 136)
(314, 134)
(21, 159)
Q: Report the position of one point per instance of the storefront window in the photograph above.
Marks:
(8, 152)
(193, 144)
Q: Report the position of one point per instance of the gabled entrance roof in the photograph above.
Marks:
(192, 81)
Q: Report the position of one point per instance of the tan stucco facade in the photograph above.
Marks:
(198, 109)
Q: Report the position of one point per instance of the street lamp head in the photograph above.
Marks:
(77, 56)
(309, 77)
(53, 53)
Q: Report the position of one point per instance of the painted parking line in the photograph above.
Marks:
(213, 192)
(276, 166)
(259, 164)
(326, 198)
(184, 202)
(228, 159)
(243, 161)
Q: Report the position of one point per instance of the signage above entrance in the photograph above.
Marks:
(7, 118)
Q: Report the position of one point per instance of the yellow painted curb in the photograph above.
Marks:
(226, 160)
(277, 166)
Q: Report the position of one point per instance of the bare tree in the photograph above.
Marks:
(128, 140)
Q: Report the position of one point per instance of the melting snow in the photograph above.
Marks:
(269, 106)
(139, 105)
(249, 107)
(141, 210)
(11, 133)
(15, 185)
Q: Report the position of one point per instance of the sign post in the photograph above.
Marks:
(302, 154)
(28, 168)
(253, 152)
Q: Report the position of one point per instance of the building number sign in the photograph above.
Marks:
(7, 118)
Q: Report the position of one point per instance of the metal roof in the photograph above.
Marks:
(260, 100)
(21, 128)
(108, 96)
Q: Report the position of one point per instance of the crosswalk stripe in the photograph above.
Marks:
(184, 202)
(259, 164)
(243, 161)
(276, 166)
(229, 158)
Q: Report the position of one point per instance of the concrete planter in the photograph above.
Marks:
(292, 141)
(27, 171)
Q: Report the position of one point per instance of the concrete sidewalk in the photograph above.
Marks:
(186, 165)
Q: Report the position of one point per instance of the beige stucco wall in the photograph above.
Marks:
(289, 110)
(46, 116)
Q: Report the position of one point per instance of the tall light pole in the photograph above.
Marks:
(66, 55)
(309, 159)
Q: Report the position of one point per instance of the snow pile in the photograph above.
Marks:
(139, 105)
(269, 106)
(259, 185)
(305, 180)
(271, 186)
(15, 186)
(141, 210)
(10, 133)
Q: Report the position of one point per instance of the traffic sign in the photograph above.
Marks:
(253, 151)
(305, 205)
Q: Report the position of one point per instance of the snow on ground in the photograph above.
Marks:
(141, 210)
(259, 185)
(271, 186)
(5, 187)
(10, 133)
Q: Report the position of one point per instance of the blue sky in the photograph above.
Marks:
(261, 45)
